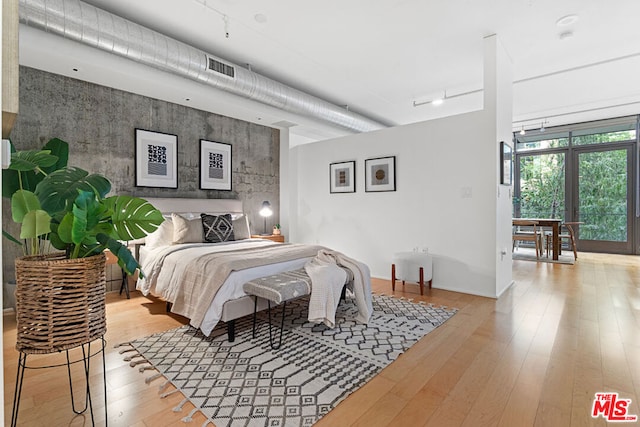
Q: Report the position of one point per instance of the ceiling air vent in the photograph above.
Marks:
(222, 68)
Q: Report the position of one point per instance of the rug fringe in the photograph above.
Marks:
(180, 405)
(133, 356)
(169, 393)
(152, 378)
(135, 363)
(189, 417)
(164, 385)
(122, 344)
(206, 423)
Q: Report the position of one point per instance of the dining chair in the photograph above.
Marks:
(567, 233)
(527, 231)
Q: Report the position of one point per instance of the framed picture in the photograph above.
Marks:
(380, 174)
(215, 165)
(156, 159)
(506, 163)
(342, 177)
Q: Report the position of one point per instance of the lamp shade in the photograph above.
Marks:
(266, 209)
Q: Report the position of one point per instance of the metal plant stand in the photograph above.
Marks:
(60, 306)
(85, 360)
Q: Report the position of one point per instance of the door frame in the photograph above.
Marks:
(572, 191)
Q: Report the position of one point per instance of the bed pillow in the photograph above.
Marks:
(186, 230)
(162, 236)
(241, 228)
(217, 228)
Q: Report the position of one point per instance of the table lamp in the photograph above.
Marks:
(266, 211)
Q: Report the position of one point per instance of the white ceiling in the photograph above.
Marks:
(378, 57)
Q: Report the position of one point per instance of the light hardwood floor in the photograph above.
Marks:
(534, 357)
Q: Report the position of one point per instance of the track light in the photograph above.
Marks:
(440, 100)
(522, 131)
(542, 127)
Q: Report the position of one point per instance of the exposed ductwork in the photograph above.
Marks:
(87, 24)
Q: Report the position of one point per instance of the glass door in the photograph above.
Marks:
(603, 198)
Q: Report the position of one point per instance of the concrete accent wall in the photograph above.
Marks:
(98, 123)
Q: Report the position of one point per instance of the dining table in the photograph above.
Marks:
(554, 224)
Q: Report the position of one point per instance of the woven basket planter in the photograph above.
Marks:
(60, 303)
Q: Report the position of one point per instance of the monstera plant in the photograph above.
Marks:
(68, 208)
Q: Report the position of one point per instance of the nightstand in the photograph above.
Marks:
(273, 237)
(112, 260)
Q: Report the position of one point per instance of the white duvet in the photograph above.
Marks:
(164, 265)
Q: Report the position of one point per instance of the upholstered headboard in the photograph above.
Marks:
(211, 206)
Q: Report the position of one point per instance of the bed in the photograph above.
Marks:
(202, 280)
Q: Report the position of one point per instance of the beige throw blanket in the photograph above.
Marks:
(206, 274)
(327, 279)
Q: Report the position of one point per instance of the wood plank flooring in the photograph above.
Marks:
(534, 357)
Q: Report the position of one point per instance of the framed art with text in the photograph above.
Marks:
(215, 165)
(342, 177)
(506, 163)
(380, 174)
(156, 159)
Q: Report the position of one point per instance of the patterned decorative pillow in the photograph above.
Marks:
(217, 228)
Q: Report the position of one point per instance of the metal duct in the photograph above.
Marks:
(84, 23)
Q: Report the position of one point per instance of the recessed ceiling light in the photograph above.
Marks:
(260, 18)
(567, 20)
(75, 69)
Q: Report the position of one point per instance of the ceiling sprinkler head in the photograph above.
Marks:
(566, 35)
(567, 20)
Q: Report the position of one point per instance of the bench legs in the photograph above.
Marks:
(343, 297)
(255, 307)
(231, 330)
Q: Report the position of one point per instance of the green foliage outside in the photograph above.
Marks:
(603, 195)
(542, 186)
(602, 187)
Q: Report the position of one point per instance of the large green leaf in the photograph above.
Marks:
(23, 171)
(63, 230)
(34, 224)
(58, 190)
(11, 178)
(30, 160)
(132, 217)
(55, 239)
(125, 258)
(60, 149)
(88, 213)
(23, 202)
(81, 208)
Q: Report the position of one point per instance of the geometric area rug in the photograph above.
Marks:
(246, 383)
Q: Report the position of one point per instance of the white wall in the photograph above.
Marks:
(498, 102)
(438, 166)
(447, 197)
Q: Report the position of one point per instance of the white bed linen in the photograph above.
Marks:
(162, 273)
